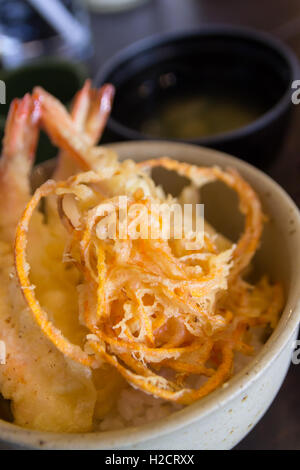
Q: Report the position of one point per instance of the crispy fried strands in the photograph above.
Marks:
(249, 204)
(70, 350)
(160, 314)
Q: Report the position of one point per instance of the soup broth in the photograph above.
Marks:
(191, 117)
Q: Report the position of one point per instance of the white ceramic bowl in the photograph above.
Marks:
(223, 418)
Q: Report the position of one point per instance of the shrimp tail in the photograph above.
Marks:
(21, 130)
(18, 151)
(100, 109)
(76, 134)
(91, 109)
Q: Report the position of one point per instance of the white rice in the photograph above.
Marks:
(135, 407)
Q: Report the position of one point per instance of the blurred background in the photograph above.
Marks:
(58, 44)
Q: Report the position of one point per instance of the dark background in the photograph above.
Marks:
(280, 427)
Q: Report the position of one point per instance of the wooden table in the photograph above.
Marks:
(280, 427)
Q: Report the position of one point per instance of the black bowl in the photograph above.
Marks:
(216, 57)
